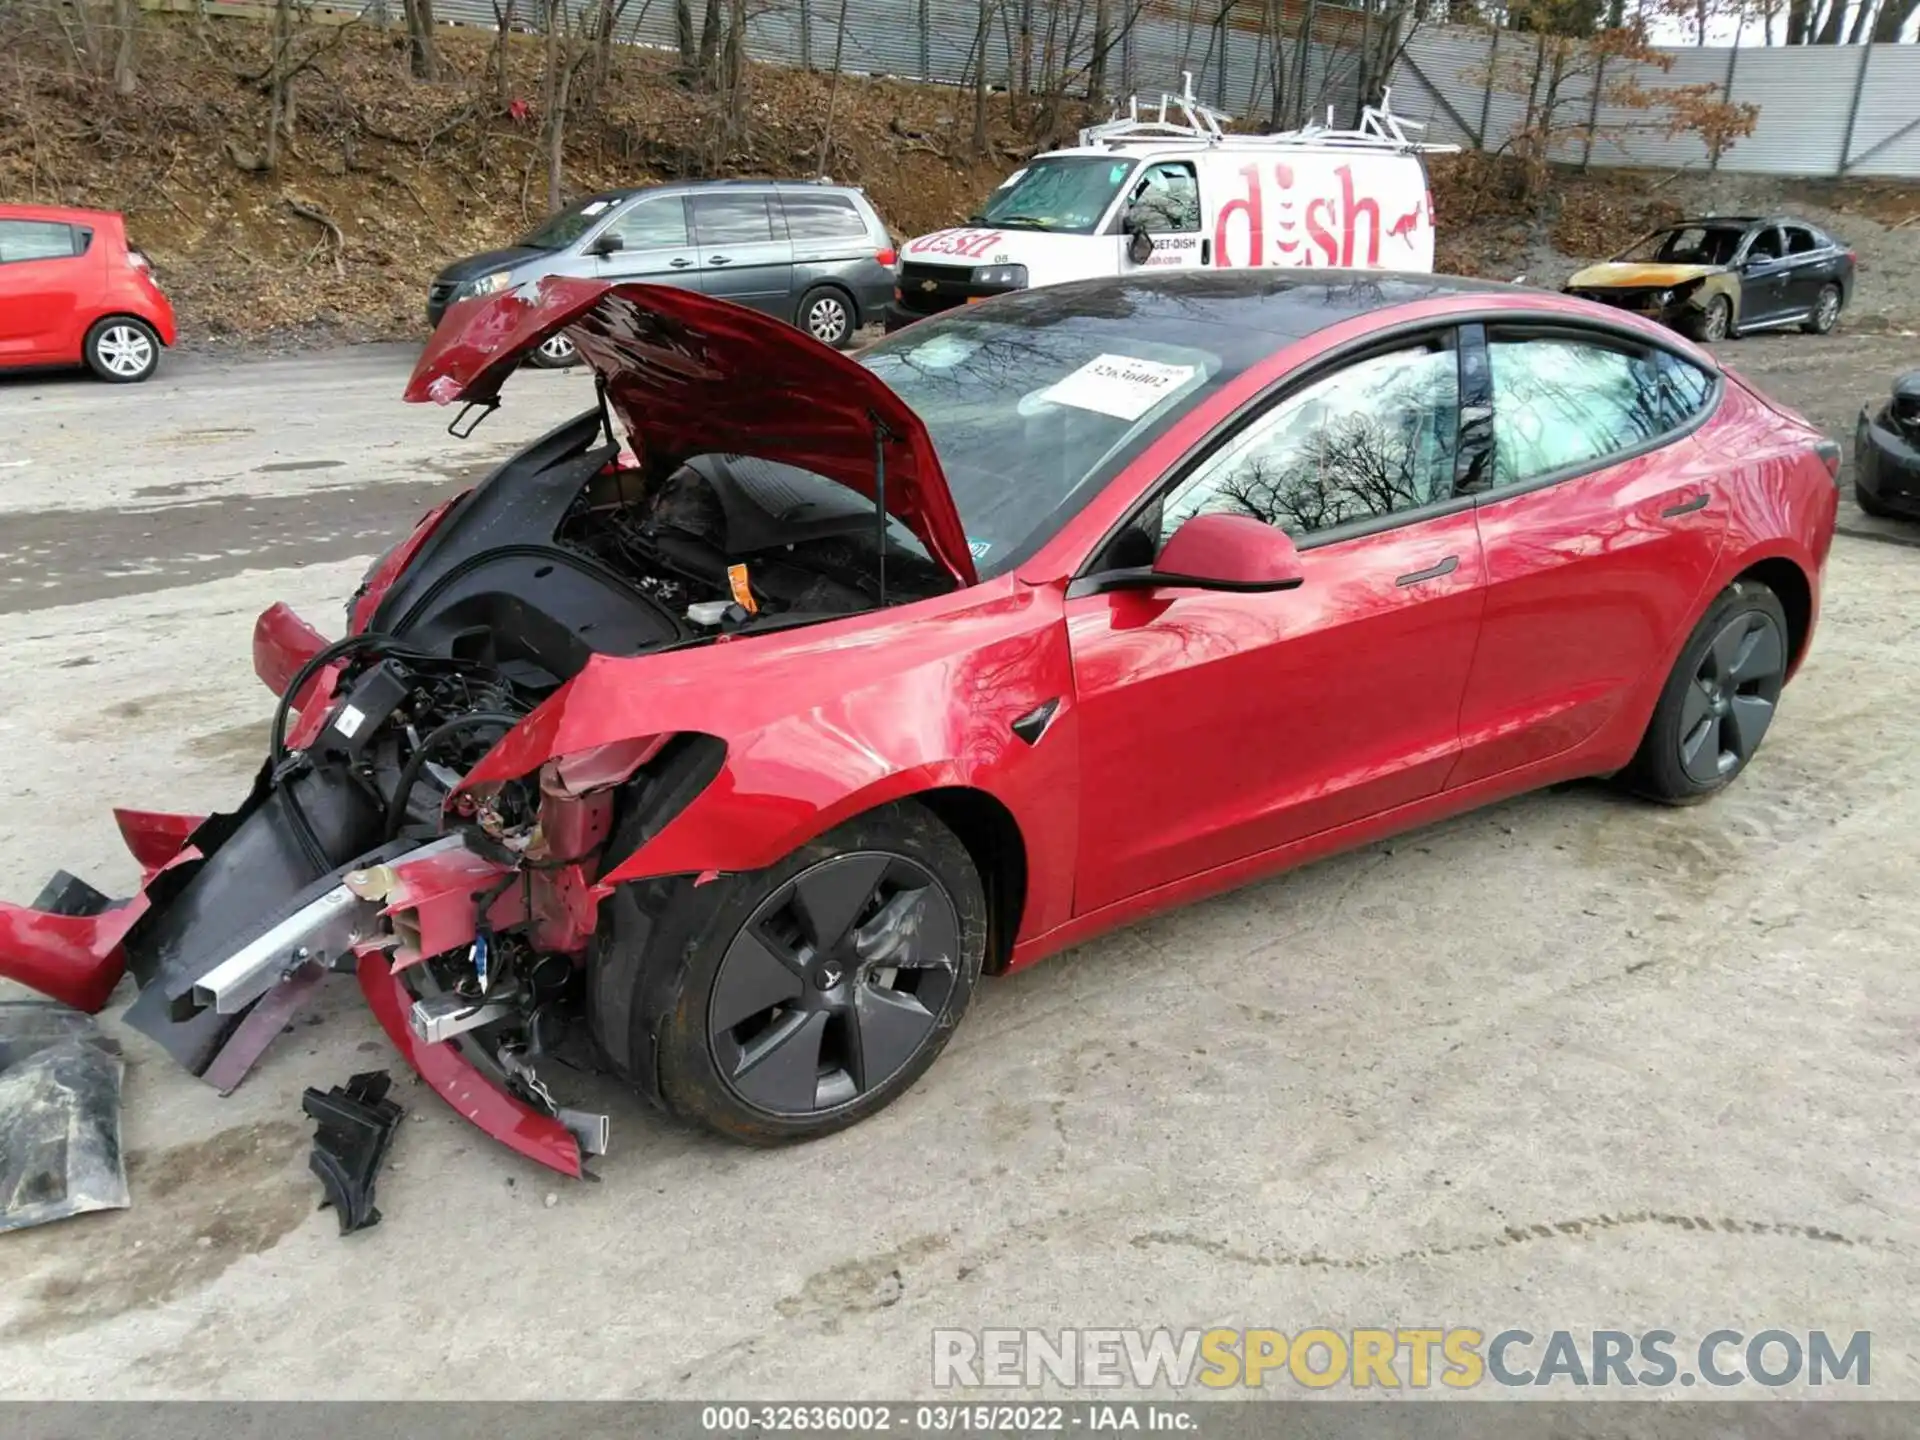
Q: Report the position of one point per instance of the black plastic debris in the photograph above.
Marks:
(356, 1125)
(59, 1116)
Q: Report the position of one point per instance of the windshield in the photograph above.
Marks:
(1687, 245)
(1068, 193)
(1031, 414)
(563, 227)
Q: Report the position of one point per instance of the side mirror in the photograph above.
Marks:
(1139, 245)
(1211, 552)
(1229, 552)
(606, 244)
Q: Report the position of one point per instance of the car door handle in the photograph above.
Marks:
(1432, 572)
(1685, 507)
(680, 263)
(718, 260)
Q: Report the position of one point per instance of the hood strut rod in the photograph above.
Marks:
(880, 437)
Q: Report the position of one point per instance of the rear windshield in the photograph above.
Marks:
(563, 227)
(1068, 193)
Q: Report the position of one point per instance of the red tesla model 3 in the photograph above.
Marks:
(728, 734)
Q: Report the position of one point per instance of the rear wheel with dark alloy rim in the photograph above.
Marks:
(806, 996)
(827, 315)
(1719, 701)
(1826, 311)
(555, 354)
(1716, 321)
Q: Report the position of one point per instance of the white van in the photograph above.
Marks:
(1173, 189)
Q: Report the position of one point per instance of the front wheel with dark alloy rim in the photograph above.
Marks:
(1826, 311)
(806, 996)
(1719, 701)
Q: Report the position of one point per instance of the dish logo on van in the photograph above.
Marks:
(1311, 212)
(968, 244)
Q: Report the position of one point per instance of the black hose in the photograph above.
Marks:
(410, 772)
(277, 736)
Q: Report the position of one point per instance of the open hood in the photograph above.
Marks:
(687, 374)
(1631, 274)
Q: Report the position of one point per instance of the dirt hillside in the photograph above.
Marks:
(387, 178)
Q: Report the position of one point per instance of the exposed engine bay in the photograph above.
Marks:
(561, 555)
(431, 814)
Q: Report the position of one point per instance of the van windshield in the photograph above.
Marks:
(563, 227)
(1067, 193)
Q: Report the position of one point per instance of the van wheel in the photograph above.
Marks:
(826, 315)
(122, 350)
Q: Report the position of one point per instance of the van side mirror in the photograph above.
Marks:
(606, 243)
(1139, 243)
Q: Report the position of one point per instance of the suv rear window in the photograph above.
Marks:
(37, 240)
(823, 217)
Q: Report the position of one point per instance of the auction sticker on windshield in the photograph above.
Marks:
(1119, 385)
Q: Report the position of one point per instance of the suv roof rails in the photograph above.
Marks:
(1182, 119)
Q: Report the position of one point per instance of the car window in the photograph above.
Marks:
(823, 217)
(1766, 245)
(1688, 245)
(1166, 201)
(1561, 403)
(731, 219)
(656, 224)
(1372, 439)
(35, 240)
(1801, 241)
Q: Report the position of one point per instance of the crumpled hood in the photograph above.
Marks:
(688, 374)
(1623, 274)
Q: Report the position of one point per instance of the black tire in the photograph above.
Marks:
(826, 312)
(1826, 312)
(1713, 323)
(1712, 715)
(665, 1017)
(122, 350)
(1869, 503)
(557, 353)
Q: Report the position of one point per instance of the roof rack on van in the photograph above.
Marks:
(1178, 118)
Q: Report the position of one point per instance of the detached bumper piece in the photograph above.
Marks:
(59, 1116)
(355, 1129)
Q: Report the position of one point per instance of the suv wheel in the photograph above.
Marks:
(556, 354)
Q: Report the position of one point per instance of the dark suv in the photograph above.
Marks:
(813, 254)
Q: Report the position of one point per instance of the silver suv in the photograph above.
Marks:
(813, 254)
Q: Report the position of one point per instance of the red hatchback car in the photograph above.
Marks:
(727, 734)
(72, 292)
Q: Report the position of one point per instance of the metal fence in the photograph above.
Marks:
(1222, 44)
(1824, 110)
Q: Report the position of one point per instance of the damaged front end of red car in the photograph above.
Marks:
(418, 819)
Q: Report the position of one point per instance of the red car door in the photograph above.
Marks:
(42, 276)
(1215, 725)
(1600, 524)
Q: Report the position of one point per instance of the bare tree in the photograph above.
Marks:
(833, 87)
(126, 18)
(683, 37)
(1892, 22)
(424, 59)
